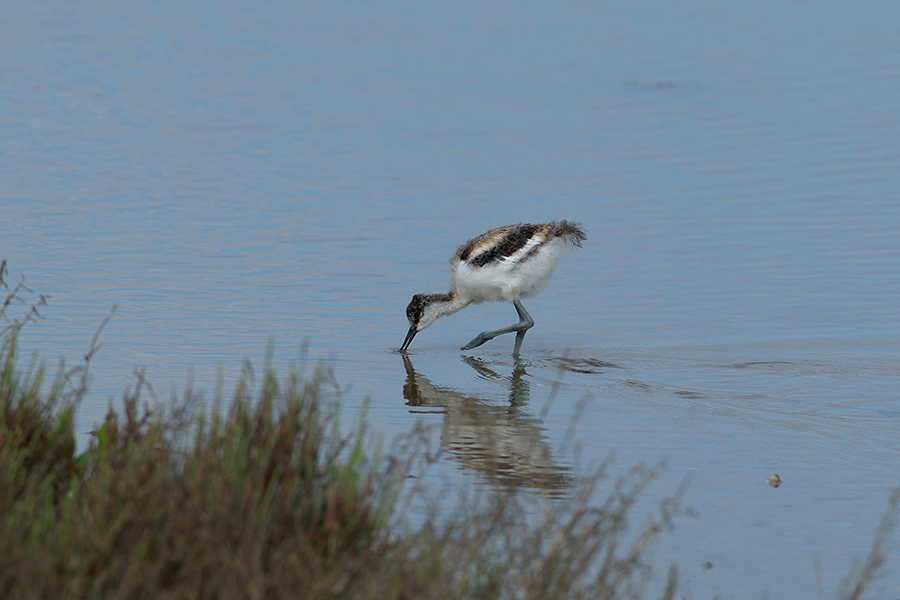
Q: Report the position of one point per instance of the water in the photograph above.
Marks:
(229, 173)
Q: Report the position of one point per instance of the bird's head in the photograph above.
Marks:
(422, 311)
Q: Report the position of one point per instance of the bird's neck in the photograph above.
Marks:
(441, 305)
(447, 304)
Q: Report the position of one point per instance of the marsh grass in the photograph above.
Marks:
(264, 497)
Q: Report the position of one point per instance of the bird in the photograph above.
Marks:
(501, 265)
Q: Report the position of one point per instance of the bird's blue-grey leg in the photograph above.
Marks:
(524, 317)
(525, 323)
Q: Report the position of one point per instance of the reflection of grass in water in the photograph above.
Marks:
(268, 500)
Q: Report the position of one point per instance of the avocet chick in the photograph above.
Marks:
(501, 265)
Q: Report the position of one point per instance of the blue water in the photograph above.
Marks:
(229, 173)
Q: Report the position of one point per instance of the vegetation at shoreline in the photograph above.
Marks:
(263, 497)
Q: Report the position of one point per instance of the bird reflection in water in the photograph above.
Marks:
(503, 443)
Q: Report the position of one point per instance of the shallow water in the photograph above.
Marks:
(232, 174)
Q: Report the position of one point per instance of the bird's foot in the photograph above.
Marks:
(478, 340)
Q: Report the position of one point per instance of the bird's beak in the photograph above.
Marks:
(409, 338)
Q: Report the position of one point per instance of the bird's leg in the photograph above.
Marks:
(525, 323)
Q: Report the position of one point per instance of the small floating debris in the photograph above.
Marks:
(774, 480)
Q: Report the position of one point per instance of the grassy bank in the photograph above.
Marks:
(263, 497)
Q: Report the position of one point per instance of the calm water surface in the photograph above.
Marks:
(230, 173)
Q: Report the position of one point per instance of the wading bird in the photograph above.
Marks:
(501, 265)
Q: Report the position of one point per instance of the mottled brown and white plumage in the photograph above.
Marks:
(502, 265)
